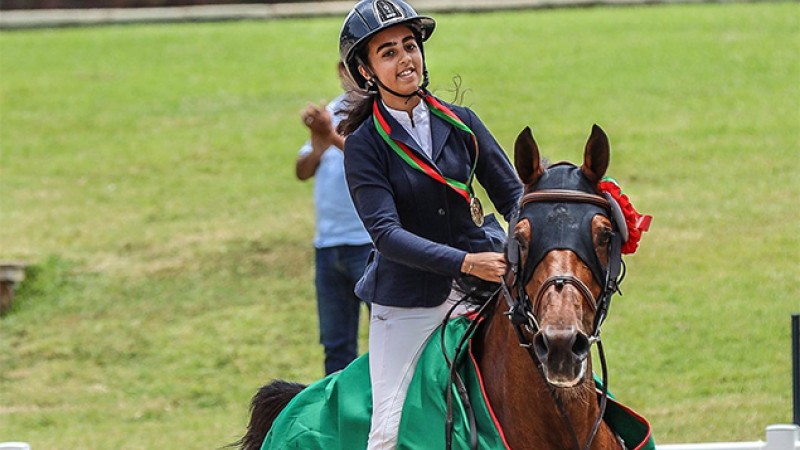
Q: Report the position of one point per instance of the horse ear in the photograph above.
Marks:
(597, 155)
(526, 157)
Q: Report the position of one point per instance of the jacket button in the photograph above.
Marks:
(441, 211)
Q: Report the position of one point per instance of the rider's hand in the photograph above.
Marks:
(489, 266)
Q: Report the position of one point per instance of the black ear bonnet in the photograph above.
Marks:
(554, 224)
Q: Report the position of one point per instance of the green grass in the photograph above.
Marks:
(146, 175)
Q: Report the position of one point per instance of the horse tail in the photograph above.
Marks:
(268, 402)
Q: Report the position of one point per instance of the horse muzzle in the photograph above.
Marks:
(563, 353)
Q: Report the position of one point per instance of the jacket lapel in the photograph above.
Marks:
(440, 131)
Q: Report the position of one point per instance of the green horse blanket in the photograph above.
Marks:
(334, 413)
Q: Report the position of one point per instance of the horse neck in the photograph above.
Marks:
(521, 400)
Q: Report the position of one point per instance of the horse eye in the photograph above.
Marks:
(604, 237)
(521, 242)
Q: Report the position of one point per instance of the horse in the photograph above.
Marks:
(533, 343)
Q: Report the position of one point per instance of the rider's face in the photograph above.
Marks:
(396, 59)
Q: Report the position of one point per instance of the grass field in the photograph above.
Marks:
(146, 175)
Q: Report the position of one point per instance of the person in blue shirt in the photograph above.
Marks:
(410, 163)
(341, 243)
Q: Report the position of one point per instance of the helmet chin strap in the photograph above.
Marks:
(416, 93)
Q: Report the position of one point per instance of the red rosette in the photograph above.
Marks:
(635, 222)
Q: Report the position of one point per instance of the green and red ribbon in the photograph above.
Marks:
(402, 150)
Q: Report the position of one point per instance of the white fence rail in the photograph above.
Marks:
(14, 446)
(779, 437)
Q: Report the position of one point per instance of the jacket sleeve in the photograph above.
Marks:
(494, 170)
(366, 169)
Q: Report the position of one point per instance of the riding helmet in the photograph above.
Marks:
(369, 17)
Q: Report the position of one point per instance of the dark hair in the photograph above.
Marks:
(358, 103)
(357, 108)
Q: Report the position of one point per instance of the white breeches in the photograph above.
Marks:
(396, 339)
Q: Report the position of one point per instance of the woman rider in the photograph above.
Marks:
(410, 160)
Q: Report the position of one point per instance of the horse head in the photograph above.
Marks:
(559, 251)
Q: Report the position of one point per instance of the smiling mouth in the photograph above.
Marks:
(406, 73)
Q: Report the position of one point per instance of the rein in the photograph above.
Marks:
(486, 308)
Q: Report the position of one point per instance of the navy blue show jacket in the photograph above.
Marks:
(421, 228)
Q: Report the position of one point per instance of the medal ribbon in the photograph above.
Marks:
(402, 150)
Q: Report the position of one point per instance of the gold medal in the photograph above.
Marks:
(476, 210)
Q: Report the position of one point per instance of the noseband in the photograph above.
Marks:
(559, 281)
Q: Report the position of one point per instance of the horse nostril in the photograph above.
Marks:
(581, 346)
(540, 346)
(552, 342)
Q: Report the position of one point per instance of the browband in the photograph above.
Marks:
(564, 196)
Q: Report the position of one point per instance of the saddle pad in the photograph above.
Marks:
(334, 413)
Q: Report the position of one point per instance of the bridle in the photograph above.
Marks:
(523, 312)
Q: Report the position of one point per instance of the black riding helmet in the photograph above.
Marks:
(369, 17)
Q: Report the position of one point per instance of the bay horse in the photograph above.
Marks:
(564, 264)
